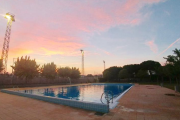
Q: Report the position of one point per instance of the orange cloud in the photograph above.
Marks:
(51, 52)
(18, 52)
(51, 47)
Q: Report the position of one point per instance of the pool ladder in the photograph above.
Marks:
(108, 96)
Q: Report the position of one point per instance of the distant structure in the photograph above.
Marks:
(82, 52)
(4, 56)
(104, 64)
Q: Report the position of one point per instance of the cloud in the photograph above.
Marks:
(167, 12)
(18, 52)
(76, 17)
(170, 46)
(57, 26)
(152, 46)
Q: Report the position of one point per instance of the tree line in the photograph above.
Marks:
(151, 70)
(28, 68)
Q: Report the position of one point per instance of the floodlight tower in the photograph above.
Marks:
(4, 56)
(82, 52)
(104, 64)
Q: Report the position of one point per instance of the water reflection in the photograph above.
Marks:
(69, 93)
(91, 93)
(49, 92)
(115, 89)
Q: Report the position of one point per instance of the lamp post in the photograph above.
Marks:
(82, 52)
(4, 56)
(104, 64)
(104, 68)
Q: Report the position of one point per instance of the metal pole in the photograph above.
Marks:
(4, 55)
(104, 65)
(82, 52)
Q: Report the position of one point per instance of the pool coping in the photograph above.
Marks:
(116, 100)
(73, 103)
(98, 107)
(119, 97)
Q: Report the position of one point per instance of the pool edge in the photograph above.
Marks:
(103, 108)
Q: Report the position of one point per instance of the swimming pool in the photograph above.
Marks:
(94, 94)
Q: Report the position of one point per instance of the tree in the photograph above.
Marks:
(142, 74)
(168, 71)
(132, 69)
(160, 73)
(174, 60)
(123, 74)
(49, 70)
(89, 75)
(111, 73)
(25, 67)
(1, 65)
(150, 66)
(107, 74)
(64, 72)
(75, 73)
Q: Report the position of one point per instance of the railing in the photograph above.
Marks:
(108, 96)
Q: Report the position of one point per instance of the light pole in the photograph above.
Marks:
(104, 64)
(82, 52)
(4, 56)
(104, 68)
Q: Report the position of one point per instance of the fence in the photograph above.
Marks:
(16, 81)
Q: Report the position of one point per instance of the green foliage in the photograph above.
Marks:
(1, 65)
(150, 65)
(25, 67)
(173, 61)
(107, 74)
(64, 72)
(142, 74)
(49, 70)
(132, 69)
(89, 75)
(168, 70)
(73, 72)
(159, 71)
(111, 73)
(123, 74)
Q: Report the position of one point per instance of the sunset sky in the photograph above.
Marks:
(118, 31)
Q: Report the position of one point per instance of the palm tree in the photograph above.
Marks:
(174, 60)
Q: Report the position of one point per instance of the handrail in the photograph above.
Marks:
(107, 93)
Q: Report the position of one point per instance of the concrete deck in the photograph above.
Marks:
(142, 102)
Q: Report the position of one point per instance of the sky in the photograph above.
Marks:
(120, 32)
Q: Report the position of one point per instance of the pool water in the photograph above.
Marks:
(88, 93)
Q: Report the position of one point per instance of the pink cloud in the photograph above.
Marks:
(152, 46)
(88, 16)
(48, 27)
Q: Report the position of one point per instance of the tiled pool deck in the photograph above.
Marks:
(141, 102)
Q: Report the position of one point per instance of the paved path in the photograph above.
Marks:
(142, 102)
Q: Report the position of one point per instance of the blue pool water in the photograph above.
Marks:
(88, 93)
